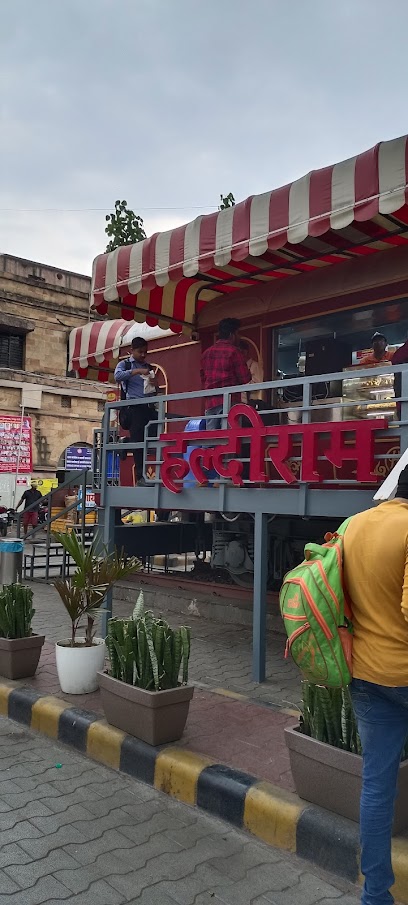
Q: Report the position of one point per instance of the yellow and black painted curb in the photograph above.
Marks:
(273, 815)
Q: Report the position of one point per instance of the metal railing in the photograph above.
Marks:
(46, 526)
(330, 498)
(307, 409)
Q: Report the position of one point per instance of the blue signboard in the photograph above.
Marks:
(78, 457)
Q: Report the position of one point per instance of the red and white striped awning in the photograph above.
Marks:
(353, 208)
(93, 349)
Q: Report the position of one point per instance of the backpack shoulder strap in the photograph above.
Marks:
(344, 525)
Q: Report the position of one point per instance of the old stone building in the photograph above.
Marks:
(39, 305)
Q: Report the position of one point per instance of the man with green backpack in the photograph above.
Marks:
(376, 575)
(360, 636)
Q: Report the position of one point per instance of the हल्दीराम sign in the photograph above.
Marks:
(271, 451)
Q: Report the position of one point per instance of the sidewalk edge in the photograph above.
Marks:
(269, 813)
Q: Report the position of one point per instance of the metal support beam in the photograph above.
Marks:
(259, 605)
(109, 544)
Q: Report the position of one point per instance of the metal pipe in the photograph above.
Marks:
(18, 455)
(109, 544)
(83, 509)
(260, 590)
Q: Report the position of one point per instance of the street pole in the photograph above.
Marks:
(18, 454)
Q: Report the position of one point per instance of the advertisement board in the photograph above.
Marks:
(78, 457)
(15, 444)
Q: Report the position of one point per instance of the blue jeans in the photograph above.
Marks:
(382, 717)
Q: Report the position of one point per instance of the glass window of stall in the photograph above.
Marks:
(335, 342)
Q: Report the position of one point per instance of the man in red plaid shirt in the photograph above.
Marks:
(223, 365)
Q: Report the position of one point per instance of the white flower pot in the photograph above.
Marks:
(77, 667)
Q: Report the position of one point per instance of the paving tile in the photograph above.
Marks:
(47, 889)
(96, 893)
(26, 875)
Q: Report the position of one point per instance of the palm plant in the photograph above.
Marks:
(83, 593)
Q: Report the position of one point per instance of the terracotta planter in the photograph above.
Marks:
(19, 657)
(156, 717)
(331, 778)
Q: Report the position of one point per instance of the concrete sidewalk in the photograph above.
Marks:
(74, 831)
(232, 761)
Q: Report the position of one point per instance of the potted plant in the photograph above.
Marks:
(20, 648)
(325, 755)
(143, 694)
(79, 660)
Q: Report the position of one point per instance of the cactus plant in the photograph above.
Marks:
(16, 611)
(144, 651)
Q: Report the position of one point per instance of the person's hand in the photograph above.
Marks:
(141, 371)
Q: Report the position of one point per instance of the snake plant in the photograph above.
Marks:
(327, 715)
(16, 611)
(144, 651)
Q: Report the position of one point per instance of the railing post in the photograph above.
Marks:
(47, 545)
(306, 403)
(259, 604)
(83, 509)
(404, 411)
(104, 455)
(109, 544)
(160, 430)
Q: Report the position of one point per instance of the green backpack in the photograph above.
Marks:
(317, 615)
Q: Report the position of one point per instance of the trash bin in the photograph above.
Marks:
(11, 561)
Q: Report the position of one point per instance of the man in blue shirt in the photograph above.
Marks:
(132, 374)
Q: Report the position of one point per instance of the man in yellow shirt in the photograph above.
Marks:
(376, 576)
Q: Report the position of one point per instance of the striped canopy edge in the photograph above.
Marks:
(324, 217)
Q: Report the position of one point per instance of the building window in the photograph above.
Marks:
(11, 350)
(101, 406)
(65, 402)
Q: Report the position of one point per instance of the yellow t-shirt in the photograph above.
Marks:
(376, 574)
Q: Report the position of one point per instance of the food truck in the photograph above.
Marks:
(312, 270)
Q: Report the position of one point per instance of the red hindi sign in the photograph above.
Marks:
(15, 435)
(270, 452)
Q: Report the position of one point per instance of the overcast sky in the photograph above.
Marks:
(167, 103)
